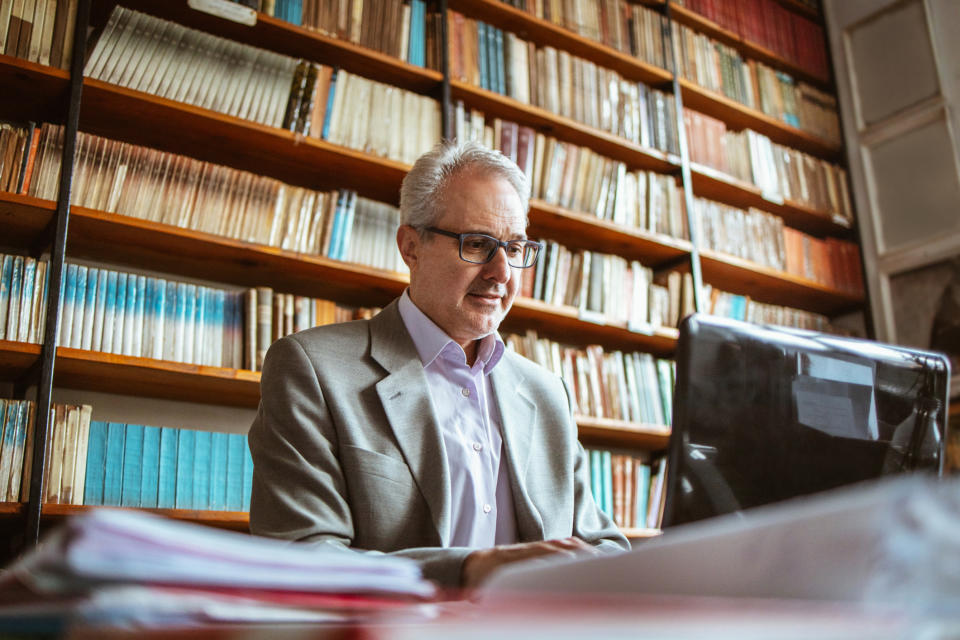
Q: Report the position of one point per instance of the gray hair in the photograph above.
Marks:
(421, 194)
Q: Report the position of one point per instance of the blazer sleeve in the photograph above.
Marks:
(299, 491)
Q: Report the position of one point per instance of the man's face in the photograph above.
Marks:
(467, 301)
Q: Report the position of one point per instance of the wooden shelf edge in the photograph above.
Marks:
(12, 508)
(613, 424)
(634, 533)
(234, 520)
(34, 68)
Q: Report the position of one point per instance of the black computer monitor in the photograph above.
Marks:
(764, 413)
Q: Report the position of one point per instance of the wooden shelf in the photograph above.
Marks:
(26, 222)
(594, 234)
(743, 277)
(494, 104)
(634, 533)
(715, 185)
(291, 40)
(12, 508)
(143, 119)
(32, 92)
(233, 520)
(529, 27)
(16, 359)
(749, 49)
(651, 437)
(738, 116)
(129, 375)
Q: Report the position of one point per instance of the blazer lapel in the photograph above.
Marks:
(518, 415)
(406, 402)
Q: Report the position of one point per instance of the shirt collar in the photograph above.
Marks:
(431, 341)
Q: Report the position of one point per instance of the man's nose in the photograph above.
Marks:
(498, 269)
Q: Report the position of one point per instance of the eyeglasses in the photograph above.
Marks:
(479, 248)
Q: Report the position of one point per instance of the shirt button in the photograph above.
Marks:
(465, 392)
(487, 508)
(477, 446)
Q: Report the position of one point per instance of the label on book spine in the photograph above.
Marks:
(226, 10)
(772, 196)
(637, 326)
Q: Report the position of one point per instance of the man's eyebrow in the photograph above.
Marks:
(516, 236)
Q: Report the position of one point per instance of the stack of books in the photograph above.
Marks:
(23, 298)
(40, 31)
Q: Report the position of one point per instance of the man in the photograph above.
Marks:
(416, 432)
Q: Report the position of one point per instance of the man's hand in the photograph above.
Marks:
(481, 563)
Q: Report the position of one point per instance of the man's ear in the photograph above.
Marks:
(408, 242)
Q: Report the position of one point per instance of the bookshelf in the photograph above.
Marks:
(132, 116)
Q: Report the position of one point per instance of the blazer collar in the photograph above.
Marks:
(406, 403)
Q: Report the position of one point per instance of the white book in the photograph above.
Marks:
(70, 440)
(210, 73)
(109, 313)
(183, 61)
(54, 466)
(5, 10)
(125, 43)
(143, 40)
(46, 38)
(180, 323)
(99, 311)
(89, 308)
(80, 468)
(166, 56)
(129, 305)
(229, 63)
(237, 77)
(395, 109)
(281, 93)
(34, 13)
(136, 347)
(248, 85)
(193, 62)
(341, 89)
(190, 323)
(106, 42)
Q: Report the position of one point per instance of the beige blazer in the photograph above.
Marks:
(347, 449)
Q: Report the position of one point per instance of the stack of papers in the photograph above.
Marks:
(121, 566)
(891, 543)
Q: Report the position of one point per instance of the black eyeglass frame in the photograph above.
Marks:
(500, 243)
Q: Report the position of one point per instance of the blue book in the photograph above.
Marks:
(146, 322)
(96, 463)
(325, 130)
(220, 321)
(120, 313)
(201, 470)
(113, 470)
(89, 309)
(13, 311)
(236, 454)
(169, 319)
(607, 476)
(167, 472)
(346, 232)
(482, 55)
(132, 466)
(200, 320)
(189, 323)
(218, 471)
(413, 52)
(138, 327)
(66, 309)
(185, 457)
(337, 226)
(109, 314)
(154, 348)
(247, 475)
(642, 493)
(79, 304)
(26, 299)
(296, 11)
(150, 468)
(501, 87)
(6, 274)
(596, 483)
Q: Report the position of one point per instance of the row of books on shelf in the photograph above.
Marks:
(721, 68)
(630, 386)
(780, 172)
(501, 62)
(763, 238)
(628, 489)
(404, 29)
(118, 177)
(769, 24)
(23, 298)
(561, 83)
(14, 156)
(579, 179)
(740, 307)
(185, 65)
(40, 31)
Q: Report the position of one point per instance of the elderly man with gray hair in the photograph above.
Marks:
(417, 433)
